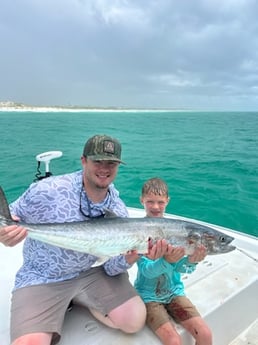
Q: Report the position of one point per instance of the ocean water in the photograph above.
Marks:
(209, 160)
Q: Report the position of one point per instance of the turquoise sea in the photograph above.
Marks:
(209, 160)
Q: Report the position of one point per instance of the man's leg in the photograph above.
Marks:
(34, 338)
(128, 317)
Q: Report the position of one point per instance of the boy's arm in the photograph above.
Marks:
(153, 268)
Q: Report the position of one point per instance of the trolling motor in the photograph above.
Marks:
(46, 157)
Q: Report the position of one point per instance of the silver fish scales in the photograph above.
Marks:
(112, 236)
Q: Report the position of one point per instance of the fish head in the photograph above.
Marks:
(216, 242)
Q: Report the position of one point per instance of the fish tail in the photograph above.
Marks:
(5, 215)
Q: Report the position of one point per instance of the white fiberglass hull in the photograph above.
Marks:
(224, 288)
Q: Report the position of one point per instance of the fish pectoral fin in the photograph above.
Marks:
(194, 237)
(100, 261)
(109, 213)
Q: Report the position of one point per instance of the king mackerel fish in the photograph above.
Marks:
(105, 237)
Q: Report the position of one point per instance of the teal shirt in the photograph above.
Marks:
(159, 280)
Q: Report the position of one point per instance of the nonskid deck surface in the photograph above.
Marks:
(224, 289)
(248, 337)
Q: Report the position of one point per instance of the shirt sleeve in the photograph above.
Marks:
(116, 265)
(184, 266)
(153, 268)
(20, 207)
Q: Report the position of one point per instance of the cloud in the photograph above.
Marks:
(130, 53)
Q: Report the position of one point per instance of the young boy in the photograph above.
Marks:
(159, 281)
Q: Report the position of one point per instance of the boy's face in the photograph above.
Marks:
(154, 205)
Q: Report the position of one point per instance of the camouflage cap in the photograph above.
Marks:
(103, 147)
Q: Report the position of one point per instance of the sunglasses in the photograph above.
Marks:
(89, 214)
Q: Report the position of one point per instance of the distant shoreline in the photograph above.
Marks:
(20, 107)
(80, 110)
(17, 107)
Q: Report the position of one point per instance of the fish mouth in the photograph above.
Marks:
(228, 248)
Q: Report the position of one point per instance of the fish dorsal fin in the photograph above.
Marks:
(4, 207)
(109, 213)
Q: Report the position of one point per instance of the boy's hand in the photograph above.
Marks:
(157, 250)
(174, 253)
(198, 255)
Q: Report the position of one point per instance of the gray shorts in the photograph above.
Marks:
(179, 309)
(41, 308)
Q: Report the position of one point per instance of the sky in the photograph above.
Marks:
(176, 54)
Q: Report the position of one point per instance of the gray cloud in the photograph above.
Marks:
(180, 54)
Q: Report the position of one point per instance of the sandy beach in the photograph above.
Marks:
(19, 107)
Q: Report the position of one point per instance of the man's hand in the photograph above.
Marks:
(131, 256)
(12, 235)
(198, 255)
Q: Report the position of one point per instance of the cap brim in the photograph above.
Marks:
(105, 158)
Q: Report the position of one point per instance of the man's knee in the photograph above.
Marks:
(135, 323)
(131, 316)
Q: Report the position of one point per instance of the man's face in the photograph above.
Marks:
(99, 173)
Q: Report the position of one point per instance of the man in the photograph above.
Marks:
(51, 277)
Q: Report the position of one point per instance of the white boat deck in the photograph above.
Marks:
(224, 288)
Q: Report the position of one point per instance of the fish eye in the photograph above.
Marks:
(222, 239)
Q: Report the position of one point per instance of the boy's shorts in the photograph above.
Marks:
(41, 308)
(180, 309)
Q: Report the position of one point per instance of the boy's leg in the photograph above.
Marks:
(184, 312)
(199, 330)
(159, 321)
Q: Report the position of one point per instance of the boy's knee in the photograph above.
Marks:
(207, 335)
(204, 336)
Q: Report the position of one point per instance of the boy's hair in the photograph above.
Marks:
(155, 186)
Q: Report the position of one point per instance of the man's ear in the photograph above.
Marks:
(83, 159)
